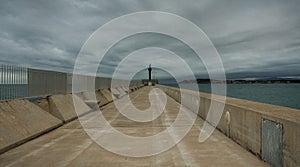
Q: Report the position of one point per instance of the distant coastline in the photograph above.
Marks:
(287, 95)
(275, 81)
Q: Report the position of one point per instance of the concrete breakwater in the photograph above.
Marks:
(250, 124)
(246, 123)
(70, 145)
(24, 119)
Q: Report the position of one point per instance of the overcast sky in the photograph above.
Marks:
(257, 38)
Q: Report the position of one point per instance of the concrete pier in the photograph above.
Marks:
(69, 145)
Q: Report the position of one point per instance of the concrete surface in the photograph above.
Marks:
(244, 126)
(21, 120)
(69, 145)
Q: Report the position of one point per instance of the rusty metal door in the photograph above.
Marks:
(271, 142)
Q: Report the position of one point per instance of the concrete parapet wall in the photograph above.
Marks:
(242, 122)
(42, 82)
(21, 120)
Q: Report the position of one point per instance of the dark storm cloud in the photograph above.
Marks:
(254, 38)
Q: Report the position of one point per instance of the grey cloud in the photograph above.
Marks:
(254, 38)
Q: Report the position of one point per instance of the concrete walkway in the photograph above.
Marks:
(69, 145)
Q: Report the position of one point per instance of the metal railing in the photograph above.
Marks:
(13, 82)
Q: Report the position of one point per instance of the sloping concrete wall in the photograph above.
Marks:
(21, 120)
(242, 122)
(62, 107)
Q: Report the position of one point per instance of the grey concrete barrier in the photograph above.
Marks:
(21, 120)
(242, 122)
(88, 98)
(62, 106)
(101, 98)
(126, 90)
(121, 91)
(108, 94)
(132, 88)
(115, 92)
(41, 82)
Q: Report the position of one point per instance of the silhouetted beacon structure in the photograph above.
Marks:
(149, 80)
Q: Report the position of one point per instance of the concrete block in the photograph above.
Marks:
(62, 107)
(21, 120)
(107, 94)
(122, 91)
(101, 98)
(90, 99)
(115, 92)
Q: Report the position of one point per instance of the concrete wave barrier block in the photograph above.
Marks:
(115, 92)
(21, 120)
(107, 95)
(101, 98)
(126, 90)
(43, 103)
(62, 107)
(90, 99)
(132, 88)
(122, 91)
(87, 96)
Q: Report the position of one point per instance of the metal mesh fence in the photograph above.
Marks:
(13, 82)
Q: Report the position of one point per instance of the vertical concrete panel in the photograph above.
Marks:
(46, 82)
(69, 83)
(271, 139)
(102, 83)
(107, 83)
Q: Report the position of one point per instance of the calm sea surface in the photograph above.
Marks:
(287, 95)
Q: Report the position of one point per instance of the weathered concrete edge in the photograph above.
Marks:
(246, 116)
